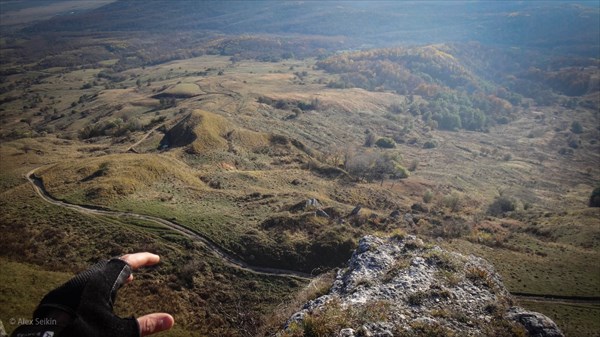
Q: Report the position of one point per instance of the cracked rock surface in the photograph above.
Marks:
(402, 287)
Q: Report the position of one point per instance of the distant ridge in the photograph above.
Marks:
(539, 24)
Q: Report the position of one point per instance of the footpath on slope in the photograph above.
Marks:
(234, 261)
(219, 252)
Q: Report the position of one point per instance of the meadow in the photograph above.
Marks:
(233, 149)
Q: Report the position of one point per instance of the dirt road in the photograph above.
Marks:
(226, 257)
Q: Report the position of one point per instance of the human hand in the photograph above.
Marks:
(151, 323)
(84, 305)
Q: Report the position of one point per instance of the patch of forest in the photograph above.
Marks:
(465, 86)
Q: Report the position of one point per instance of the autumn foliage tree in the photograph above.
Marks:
(375, 165)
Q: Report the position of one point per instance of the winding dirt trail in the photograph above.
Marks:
(236, 262)
(569, 300)
(146, 135)
(217, 251)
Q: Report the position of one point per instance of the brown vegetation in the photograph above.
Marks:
(231, 167)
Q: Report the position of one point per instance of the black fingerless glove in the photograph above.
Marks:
(83, 307)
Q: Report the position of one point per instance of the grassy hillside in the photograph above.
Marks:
(114, 176)
(203, 295)
(205, 132)
(246, 152)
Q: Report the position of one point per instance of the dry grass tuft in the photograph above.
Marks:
(317, 287)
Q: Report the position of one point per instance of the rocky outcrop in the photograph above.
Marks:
(536, 324)
(403, 287)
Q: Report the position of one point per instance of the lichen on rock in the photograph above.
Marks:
(403, 287)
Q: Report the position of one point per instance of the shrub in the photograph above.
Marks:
(413, 165)
(339, 84)
(314, 104)
(501, 205)
(375, 166)
(503, 120)
(450, 278)
(166, 102)
(428, 196)
(385, 143)
(442, 260)
(155, 121)
(370, 139)
(265, 100)
(400, 172)
(576, 127)
(430, 144)
(480, 276)
(595, 198)
(452, 201)
(448, 121)
(304, 106)
(279, 139)
(433, 124)
(281, 104)
(397, 234)
(450, 229)
(396, 108)
(573, 142)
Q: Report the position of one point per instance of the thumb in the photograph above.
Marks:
(153, 323)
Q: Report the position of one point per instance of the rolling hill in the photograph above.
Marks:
(283, 132)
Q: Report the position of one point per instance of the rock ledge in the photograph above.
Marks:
(401, 287)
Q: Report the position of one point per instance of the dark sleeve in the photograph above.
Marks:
(83, 307)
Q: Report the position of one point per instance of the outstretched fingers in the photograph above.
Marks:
(153, 323)
(156, 322)
(138, 260)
